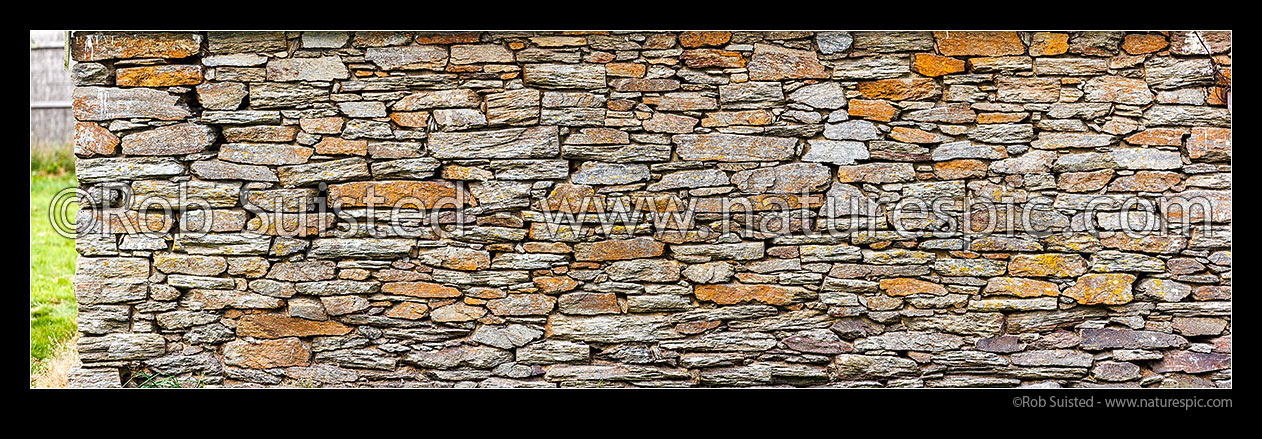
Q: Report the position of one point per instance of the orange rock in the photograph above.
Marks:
(629, 70)
(901, 89)
(659, 41)
(1048, 44)
(613, 250)
(555, 284)
(904, 286)
(547, 247)
(401, 193)
(522, 305)
(702, 39)
(1140, 44)
(420, 289)
(1014, 286)
(322, 125)
(960, 169)
(1001, 117)
(772, 62)
(1102, 289)
(408, 311)
(978, 43)
(705, 58)
(159, 76)
(1083, 181)
(266, 354)
(584, 303)
(697, 327)
(91, 139)
(573, 198)
(463, 68)
(337, 145)
(1048, 264)
(600, 57)
(1146, 181)
(112, 45)
(1145, 244)
(291, 224)
(410, 119)
(912, 135)
(746, 117)
(934, 65)
(728, 294)
(1210, 143)
(872, 110)
(1158, 136)
(280, 325)
(447, 37)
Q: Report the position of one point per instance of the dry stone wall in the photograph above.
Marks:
(544, 209)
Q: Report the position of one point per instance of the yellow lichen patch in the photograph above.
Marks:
(1048, 264)
(906, 286)
(1013, 286)
(1102, 289)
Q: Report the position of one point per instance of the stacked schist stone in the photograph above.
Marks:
(814, 130)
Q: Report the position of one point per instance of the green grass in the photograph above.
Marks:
(53, 307)
(52, 159)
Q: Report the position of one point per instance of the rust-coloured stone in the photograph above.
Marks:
(872, 110)
(410, 119)
(960, 169)
(335, 146)
(522, 305)
(404, 194)
(322, 125)
(408, 311)
(706, 58)
(933, 65)
(447, 37)
(1014, 286)
(912, 135)
(1158, 137)
(555, 284)
(989, 118)
(1102, 289)
(773, 63)
(1146, 181)
(91, 139)
(1049, 44)
(1142, 44)
(702, 39)
(613, 250)
(266, 354)
(906, 286)
(1145, 244)
(1210, 143)
(427, 290)
(159, 76)
(291, 224)
(728, 294)
(697, 327)
(626, 69)
(1048, 264)
(279, 326)
(121, 45)
(1083, 181)
(901, 89)
(584, 303)
(978, 43)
